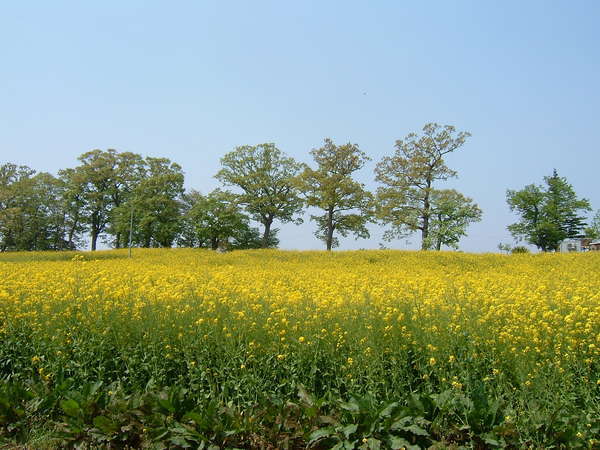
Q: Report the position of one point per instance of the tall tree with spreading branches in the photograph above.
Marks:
(346, 204)
(265, 175)
(409, 177)
(452, 213)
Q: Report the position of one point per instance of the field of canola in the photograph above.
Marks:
(274, 349)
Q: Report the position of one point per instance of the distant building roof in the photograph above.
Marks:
(584, 241)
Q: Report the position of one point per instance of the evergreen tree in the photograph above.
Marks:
(548, 214)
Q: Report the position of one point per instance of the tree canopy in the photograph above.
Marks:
(32, 213)
(265, 175)
(346, 204)
(405, 201)
(121, 198)
(593, 231)
(154, 202)
(547, 214)
(218, 222)
(451, 214)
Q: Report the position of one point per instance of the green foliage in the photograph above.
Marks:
(250, 238)
(112, 416)
(265, 176)
(94, 182)
(216, 221)
(217, 218)
(451, 214)
(101, 193)
(406, 199)
(548, 214)
(347, 205)
(593, 231)
(13, 410)
(154, 202)
(365, 423)
(97, 188)
(32, 213)
(505, 248)
(519, 249)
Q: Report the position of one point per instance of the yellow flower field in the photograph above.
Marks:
(249, 325)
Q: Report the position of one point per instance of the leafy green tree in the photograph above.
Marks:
(408, 178)
(346, 204)
(45, 214)
(187, 235)
(593, 231)
(97, 190)
(217, 218)
(155, 205)
(32, 215)
(548, 214)
(13, 179)
(452, 213)
(216, 221)
(94, 179)
(563, 208)
(130, 169)
(73, 203)
(250, 238)
(265, 175)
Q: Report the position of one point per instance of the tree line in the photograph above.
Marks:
(123, 198)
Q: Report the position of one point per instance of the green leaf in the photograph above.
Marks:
(94, 387)
(442, 399)
(388, 410)
(70, 408)
(416, 430)
(349, 430)
(351, 406)
(105, 425)
(415, 403)
(166, 404)
(492, 439)
(397, 443)
(320, 434)
(401, 423)
(374, 444)
(195, 417)
(180, 441)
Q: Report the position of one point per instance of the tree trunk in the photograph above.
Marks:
(96, 227)
(214, 243)
(424, 233)
(267, 233)
(70, 243)
(425, 217)
(329, 236)
(118, 240)
(94, 239)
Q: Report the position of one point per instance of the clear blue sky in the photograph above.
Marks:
(192, 80)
